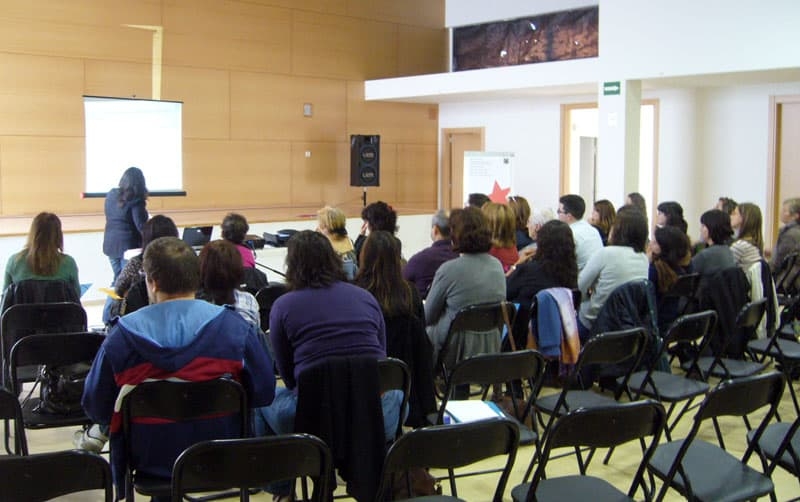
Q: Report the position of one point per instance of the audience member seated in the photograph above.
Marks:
(670, 214)
(726, 204)
(474, 277)
(587, 241)
(749, 244)
(636, 200)
(234, 229)
(376, 216)
(553, 266)
(623, 260)
(671, 258)
(538, 218)
(715, 232)
(502, 224)
(522, 214)
(175, 337)
(602, 218)
(221, 273)
(321, 317)
(788, 237)
(477, 200)
(404, 316)
(331, 222)
(421, 268)
(43, 256)
(157, 226)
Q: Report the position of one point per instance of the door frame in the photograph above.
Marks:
(773, 205)
(445, 190)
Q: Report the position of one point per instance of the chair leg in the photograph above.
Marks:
(718, 432)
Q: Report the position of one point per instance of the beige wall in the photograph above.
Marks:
(243, 70)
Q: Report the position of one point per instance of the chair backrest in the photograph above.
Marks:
(684, 286)
(395, 375)
(604, 427)
(613, 347)
(54, 349)
(46, 476)
(787, 274)
(482, 318)
(750, 315)
(39, 291)
(10, 410)
(251, 463)
(266, 297)
(490, 369)
(253, 281)
(136, 297)
(741, 396)
(37, 318)
(452, 446)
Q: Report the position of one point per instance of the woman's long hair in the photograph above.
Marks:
(555, 250)
(311, 262)
(502, 224)
(132, 186)
(750, 229)
(380, 274)
(607, 214)
(221, 271)
(675, 254)
(45, 244)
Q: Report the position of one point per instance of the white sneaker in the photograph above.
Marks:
(91, 439)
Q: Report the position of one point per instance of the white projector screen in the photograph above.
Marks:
(121, 133)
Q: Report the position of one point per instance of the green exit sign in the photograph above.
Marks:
(611, 88)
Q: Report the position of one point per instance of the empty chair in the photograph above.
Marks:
(449, 447)
(779, 446)
(699, 470)
(47, 476)
(11, 410)
(160, 402)
(600, 427)
(690, 331)
(252, 462)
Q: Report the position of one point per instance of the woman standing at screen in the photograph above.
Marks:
(126, 214)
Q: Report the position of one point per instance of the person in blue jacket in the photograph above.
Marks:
(126, 214)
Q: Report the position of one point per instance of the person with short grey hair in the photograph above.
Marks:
(421, 268)
(789, 235)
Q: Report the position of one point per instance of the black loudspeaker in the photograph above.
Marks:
(365, 160)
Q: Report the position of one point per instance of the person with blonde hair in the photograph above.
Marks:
(749, 244)
(43, 256)
(502, 224)
(331, 222)
(522, 213)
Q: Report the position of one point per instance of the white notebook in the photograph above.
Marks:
(472, 410)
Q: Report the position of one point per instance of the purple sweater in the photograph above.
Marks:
(309, 325)
(421, 268)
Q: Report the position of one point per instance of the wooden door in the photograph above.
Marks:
(454, 143)
(785, 161)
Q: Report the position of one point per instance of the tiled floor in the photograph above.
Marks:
(618, 472)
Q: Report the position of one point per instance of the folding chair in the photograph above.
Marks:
(449, 447)
(395, 375)
(701, 471)
(685, 290)
(222, 464)
(779, 446)
(11, 410)
(25, 319)
(786, 277)
(483, 324)
(689, 330)
(488, 370)
(265, 297)
(725, 368)
(56, 349)
(600, 427)
(168, 401)
(46, 476)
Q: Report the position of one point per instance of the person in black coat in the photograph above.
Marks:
(126, 214)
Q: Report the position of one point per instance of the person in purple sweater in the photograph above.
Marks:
(321, 316)
(421, 268)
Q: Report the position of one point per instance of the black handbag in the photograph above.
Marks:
(61, 388)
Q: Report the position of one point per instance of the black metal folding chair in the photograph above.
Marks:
(222, 464)
(47, 476)
(779, 446)
(449, 447)
(10, 410)
(601, 427)
(699, 470)
(395, 375)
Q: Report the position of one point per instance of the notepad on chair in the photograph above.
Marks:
(472, 411)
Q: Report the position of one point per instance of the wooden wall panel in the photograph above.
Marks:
(414, 12)
(324, 6)
(116, 79)
(317, 175)
(395, 122)
(218, 53)
(421, 50)
(206, 100)
(78, 41)
(41, 96)
(340, 47)
(227, 19)
(417, 178)
(43, 174)
(271, 107)
(234, 174)
(85, 12)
